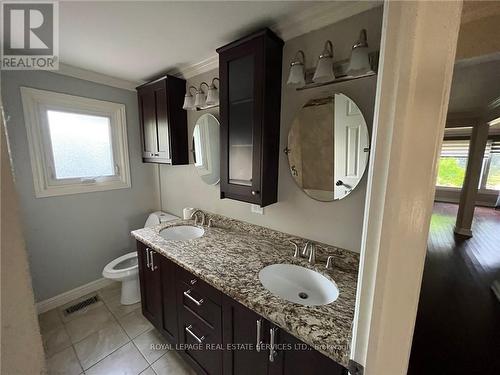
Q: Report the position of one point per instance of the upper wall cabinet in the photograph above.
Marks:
(163, 121)
(250, 88)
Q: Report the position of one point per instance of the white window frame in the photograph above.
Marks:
(36, 103)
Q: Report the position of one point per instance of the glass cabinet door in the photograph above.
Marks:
(241, 119)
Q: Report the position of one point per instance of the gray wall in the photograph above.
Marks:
(71, 238)
(336, 223)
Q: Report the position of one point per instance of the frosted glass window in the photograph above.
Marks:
(76, 144)
(81, 145)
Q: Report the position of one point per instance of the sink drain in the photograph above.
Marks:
(303, 295)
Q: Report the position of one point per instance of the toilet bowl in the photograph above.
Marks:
(125, 268)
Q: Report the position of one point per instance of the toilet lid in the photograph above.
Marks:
(124, 263)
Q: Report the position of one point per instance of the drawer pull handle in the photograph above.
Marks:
(259, 330)
(153, 267)
(193, 335)
(272, 344)
(187, 293)
(193, 281)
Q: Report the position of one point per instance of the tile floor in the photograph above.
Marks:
(106, 338)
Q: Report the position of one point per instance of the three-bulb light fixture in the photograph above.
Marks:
(199, 99)
(359, 63)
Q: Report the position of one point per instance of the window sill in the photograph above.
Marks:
(53, 191)
(480, 191)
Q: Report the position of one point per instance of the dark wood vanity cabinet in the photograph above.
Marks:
(157, 285)
(247, 331)
(214, 333)
(200, 323)
(150, 284)
(293, 357)
(250, 100)
(169, 323)
(163, 121)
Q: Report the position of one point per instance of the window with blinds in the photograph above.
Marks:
(453, 163)
(491, 166)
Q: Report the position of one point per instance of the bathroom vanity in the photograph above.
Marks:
(204, 295)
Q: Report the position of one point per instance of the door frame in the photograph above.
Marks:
(416, 66)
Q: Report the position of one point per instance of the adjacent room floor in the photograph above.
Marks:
(458, 320)
(106, 338)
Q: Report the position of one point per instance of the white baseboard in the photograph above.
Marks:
(70, 295)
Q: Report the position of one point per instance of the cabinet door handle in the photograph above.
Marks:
(259, 330)
(272, 344)
(153, 267)
(255, 192)
(147, 257)
(199, 339)
(187, 293)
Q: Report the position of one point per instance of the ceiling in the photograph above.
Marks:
(475, 85)
(475, 88)
(136, 40)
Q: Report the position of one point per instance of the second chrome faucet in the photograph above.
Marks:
(308, 251)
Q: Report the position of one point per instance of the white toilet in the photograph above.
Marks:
(125, 268)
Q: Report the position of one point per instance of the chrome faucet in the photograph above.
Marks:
(310, 249)
(329, 263)
(296, 254)
(196, 217)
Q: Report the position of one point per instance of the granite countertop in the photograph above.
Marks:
(230, 259)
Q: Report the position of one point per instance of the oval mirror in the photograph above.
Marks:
(328, 146)
(206, 148)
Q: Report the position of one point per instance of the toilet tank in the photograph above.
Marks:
(158, 217)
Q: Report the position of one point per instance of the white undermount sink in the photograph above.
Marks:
(182, 233)
(298, 284)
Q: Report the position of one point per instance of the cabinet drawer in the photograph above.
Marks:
(196, 301)
(200, 286)
(203, 342)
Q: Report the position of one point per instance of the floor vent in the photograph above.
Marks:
(81, 305)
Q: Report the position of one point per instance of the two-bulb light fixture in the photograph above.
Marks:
(199, 99)
(359, 64)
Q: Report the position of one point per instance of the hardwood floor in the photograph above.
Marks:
(458, 321)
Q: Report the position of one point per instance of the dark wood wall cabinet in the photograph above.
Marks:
(250, 101)
(215, 334)
(163, 121)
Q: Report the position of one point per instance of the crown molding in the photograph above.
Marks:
(313, 18)
(88, 75)
(319, 16)
(187, 71)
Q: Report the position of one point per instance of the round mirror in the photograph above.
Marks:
(328, 147)
(206, 148)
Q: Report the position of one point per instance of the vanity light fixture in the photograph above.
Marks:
(200, 98)
(189, 99)
(360, 61)
(324, 69)
(296, 76)
(213, 94)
